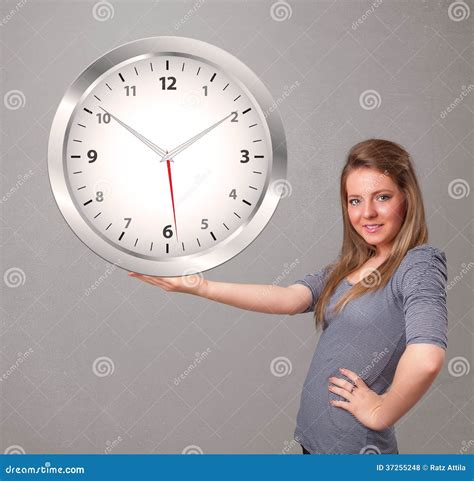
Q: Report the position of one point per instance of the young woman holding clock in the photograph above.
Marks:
(381, 306)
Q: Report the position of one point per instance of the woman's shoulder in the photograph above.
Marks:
(419, 262)
(422, 254)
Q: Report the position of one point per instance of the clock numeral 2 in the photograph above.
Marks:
(234, 118)
(171, 86)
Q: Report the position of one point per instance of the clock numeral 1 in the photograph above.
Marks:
(245, 156)
(130, 90)
(205, 90)
(171, 85)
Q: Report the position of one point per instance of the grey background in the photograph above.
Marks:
(411, 52)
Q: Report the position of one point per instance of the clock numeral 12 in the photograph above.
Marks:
(171, 86)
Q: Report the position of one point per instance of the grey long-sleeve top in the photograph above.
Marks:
(368, 337)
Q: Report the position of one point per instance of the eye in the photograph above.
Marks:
(351, 202)
(386, 197)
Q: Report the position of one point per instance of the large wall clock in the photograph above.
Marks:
(163, 156)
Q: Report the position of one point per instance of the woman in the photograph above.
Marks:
(381, 306)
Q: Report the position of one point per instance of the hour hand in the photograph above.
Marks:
(139, 136)
(191, 141)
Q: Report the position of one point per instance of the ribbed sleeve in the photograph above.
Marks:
(315, 282)
(422, 284)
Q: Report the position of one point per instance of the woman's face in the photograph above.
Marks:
(376, 207)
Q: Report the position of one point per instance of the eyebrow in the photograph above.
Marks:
(376, 192)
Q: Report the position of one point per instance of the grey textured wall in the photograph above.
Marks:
(343, 71)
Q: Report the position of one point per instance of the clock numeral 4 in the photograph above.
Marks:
(233, 194)
(170, 85)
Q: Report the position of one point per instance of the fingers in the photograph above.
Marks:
(353, 377)
(341, 392)
(342, 383)
(342, 404)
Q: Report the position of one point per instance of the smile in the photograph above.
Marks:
(371, 228)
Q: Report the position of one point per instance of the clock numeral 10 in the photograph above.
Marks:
(170, 86)
(103, 118)
(130, 90)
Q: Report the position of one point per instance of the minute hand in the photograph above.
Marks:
(191, 141)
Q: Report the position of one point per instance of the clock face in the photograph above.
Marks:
(164, 156)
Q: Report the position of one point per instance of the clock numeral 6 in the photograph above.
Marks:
(245, 156)
(92, 156)
(103, 118)
(171, 85)
(99, 197)
(204, 223)
(233, 194)
(167, 232)
(130, 90)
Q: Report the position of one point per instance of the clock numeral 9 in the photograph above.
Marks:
(127, 221)
(103, 118)
(167, 232)
(204, 223)
(245, 156)
(234, 118)
(233, 194)
(130, 90)
(92, 156)
(171, 86)
(99, 197)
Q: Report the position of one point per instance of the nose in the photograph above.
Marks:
(369, 210)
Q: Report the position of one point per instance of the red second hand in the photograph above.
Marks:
(172, 197)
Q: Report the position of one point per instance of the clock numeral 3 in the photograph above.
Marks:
(170, 86)
(245, 156)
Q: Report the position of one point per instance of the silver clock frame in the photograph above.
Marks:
(57, 158)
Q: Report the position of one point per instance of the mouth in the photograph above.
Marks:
(371, 228)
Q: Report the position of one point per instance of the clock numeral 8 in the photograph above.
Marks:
(167, 232)
(92, 155)
(170, 86)
(99, 197)
(245, 156)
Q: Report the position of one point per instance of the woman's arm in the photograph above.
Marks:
(417, 369)
(269, 299)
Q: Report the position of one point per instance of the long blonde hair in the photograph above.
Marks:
(392, 160)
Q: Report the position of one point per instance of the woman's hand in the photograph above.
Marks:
(361, 402)
(192, 284)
